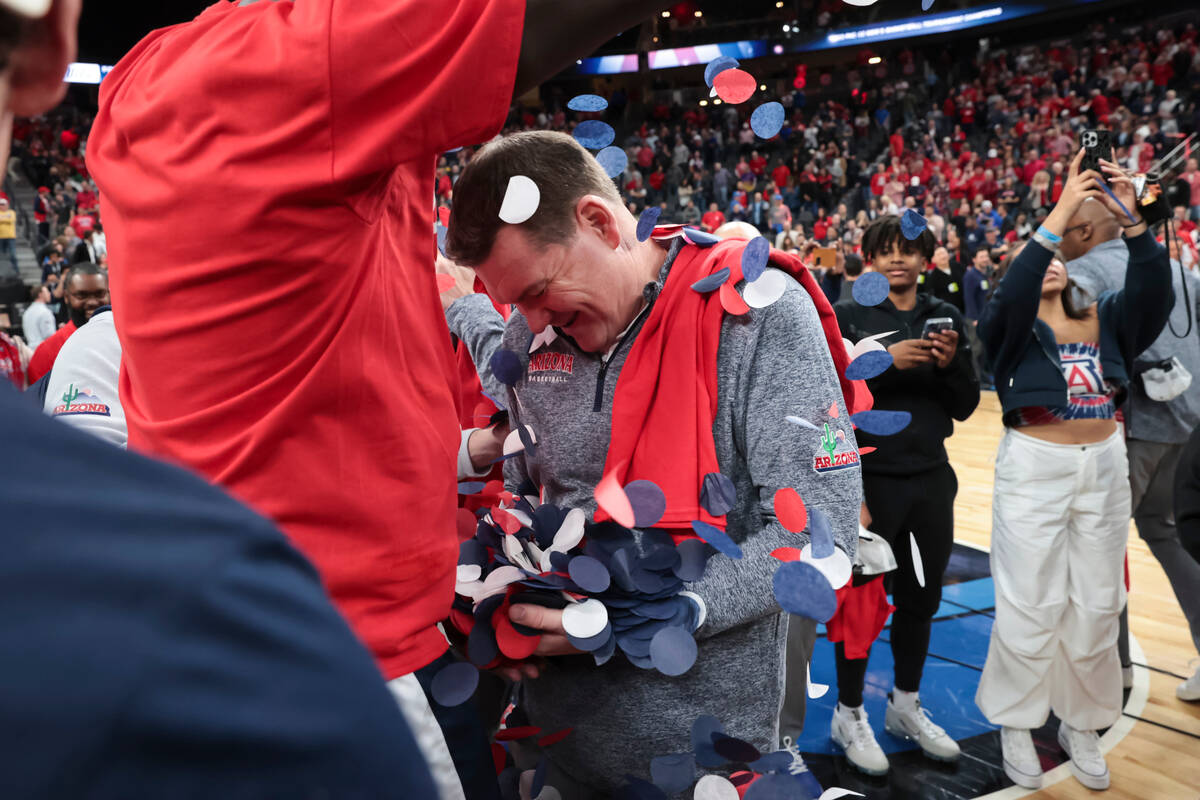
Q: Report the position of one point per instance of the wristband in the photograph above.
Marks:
(1134, 224)
(1041, 239)
(1052, 237)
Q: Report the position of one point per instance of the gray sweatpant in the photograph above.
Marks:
(1151, 482)
(801, 638)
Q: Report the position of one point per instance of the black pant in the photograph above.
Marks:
(923, 504)
(466, 737)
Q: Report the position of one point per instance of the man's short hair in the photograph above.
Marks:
(563, 171)
(885, 231)
(80, 269)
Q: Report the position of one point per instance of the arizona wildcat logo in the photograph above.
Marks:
(80, 401)
(834, 461)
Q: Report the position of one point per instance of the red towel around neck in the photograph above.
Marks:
(666, 397)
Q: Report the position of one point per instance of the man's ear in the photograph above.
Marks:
(594, 216)
(39, 65)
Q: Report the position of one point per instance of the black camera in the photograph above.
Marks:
(1152, 201)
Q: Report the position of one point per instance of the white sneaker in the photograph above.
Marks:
(1087, 764)
(1021, 763)
(1189, 690)
(799, 770)
(852, 732)
(916, 725)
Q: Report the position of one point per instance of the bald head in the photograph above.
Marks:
(1092, 225)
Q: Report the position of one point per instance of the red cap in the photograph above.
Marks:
(42, 189)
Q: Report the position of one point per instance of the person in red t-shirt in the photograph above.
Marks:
(713, 218)
(758, 164)
(780, 176)
(317, 385)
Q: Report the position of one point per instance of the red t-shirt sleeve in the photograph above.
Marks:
(409, 79)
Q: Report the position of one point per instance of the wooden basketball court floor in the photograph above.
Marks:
(1156, 759)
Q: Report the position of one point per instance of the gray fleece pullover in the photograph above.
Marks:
(772, 363)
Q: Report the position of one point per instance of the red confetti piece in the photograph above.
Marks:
(444, 216)
(467, 524)
(462, 621)
(445, 283)
(493, 487)
(786, 554)
(833, 411)
(512, 642)
(554, 738)
(612, 498)
(790, 510)
(730, 299)
(507, 522)
(512, 734)
(735, 85)
(866, 451)
(499, 757)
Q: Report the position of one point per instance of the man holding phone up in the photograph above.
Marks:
(908, 484)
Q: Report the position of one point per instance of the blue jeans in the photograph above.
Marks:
(9, 247)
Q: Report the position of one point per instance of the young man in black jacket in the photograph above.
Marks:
(908, 484)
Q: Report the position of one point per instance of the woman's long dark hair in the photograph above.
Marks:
(1068, 302)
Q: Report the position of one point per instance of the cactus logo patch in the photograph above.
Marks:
(832, 460)
(80, 401)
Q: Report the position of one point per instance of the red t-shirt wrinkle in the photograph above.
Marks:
(286, 339)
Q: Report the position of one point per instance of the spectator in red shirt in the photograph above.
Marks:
(86, 290)
(758, 164)
(713, 218)
(1191, 176)
(342, 156)
(780, 175)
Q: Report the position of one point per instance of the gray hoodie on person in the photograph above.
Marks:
(772, 363)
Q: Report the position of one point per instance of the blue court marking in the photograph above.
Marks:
(977, 595)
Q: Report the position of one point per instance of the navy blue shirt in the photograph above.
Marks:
(158, 639)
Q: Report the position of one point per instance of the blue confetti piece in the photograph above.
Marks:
(647, 221)
(539, 777)
(732, 749)
(613, 160)
(693, 558)
(648, 502)
(754, 258)
(454, 684)
(775, 787)
(820, 533)
(441, 238)
(594, 134)
(481, 643)
(589, 574)
(560, 562)
(636, 789)
(881, 423)
(717, 494)
(773, 762)
(699, 237)
(870, 364)
(673, 651)
(621, 570)
(717, 538)
(767, 120)
(673, 773)
(471, 487)
(871, 289)
(926, 5)
(802, 590)
(606, 652)
(592, 643)
(506, 366)
(717, 66)
(702, 730)
(587, 102)
(912, 224)
(472, 551)
(712, 282)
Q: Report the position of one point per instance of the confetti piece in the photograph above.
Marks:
(516, 443)
(507, 522)
(470, 487)
(441, 231)
(673, 651)
(836, 567)
(587, 102)
(589, 574)
(712, 282)
(918, 565)
(445, 283)
(714, 787)
(699, 237)
(647, 501)
(717, 494)
(869, 365)
(481, 645)
(870, 343)
(693, 558)
(801, 589)
(717, 66)
(790, 510)
(638, 789)
(586, 619)
(647, 221)
(594, 134)
(925, 6)
(506, 366)
(717, 538)
(554, 738)
(821, 534)
(786, 554)
(912, 224)
(443, 215)
(732, 301)
(766, 290)
(592, 643)
(613, 160)
(860, 3)
(513, 734)
(521, 200)
(454, 684)
(735, 85)
(866, 451)
(735, 749)
(513, 644)
(815, 690)
(767, 120)
(754, 258)
(802, 423)
(466, 573)
(702, 730)
(881, 423)
(871, 289)
(612, 498)
(832, 411)
(673, 773)
(772, 787)
(539, 777)
(570, 533)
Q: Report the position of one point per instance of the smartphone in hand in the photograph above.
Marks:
(1096, 145)
(936, 325)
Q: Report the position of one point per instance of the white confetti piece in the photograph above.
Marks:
(837, 568)
(714, 787)
(918, 567)
(521, 200)
(837, 791)
(870, 343)
(513, 443)
(802, 423)
(815, 690)
(585, 620)
(769, 287)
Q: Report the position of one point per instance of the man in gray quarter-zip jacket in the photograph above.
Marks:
(579, 277)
